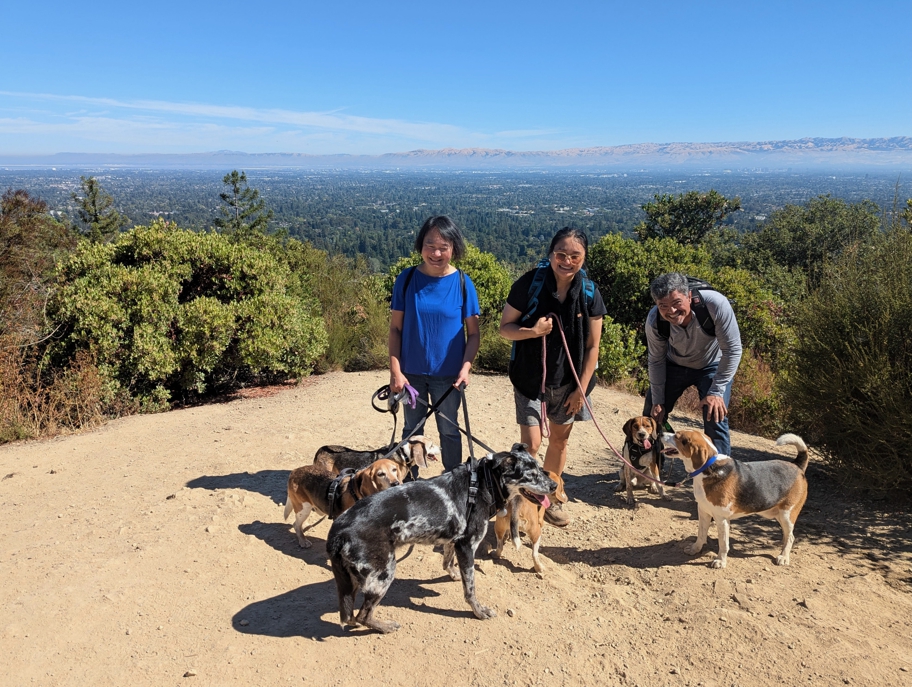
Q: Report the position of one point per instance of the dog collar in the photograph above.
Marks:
(704, 467)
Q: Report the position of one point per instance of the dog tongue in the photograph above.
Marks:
(546, 502)
(646, 444)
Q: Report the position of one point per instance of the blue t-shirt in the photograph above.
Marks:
(433, 338)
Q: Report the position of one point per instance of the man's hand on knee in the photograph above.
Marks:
(715, 408)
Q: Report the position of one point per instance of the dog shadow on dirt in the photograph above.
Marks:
(271, 483)
(312, 611)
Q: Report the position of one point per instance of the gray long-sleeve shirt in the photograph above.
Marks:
(691, 347)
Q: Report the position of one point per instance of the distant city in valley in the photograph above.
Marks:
(510, 213)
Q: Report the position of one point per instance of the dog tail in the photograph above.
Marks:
(288, 508)
(801, 460)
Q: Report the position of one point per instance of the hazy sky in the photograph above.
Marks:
(374, 77)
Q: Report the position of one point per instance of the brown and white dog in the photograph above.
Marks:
(641, 449)
(414, 454)
(524, 515)
(726, 489)
(308, 489)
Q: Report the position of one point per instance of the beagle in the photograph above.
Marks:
(411, 456)
(726, 489)
(309, 488)
(524, 515)
(641, 449)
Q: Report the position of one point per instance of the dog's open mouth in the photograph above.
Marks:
(670, 451)
(538, 499)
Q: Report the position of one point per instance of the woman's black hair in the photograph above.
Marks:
(570, 233)
(448, 231)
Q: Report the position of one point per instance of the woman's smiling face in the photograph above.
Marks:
(567, 258)
(436, 252)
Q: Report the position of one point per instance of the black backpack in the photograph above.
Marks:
(697, 305)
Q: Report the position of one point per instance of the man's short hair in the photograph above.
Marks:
(666, 284)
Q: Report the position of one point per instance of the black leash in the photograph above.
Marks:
(431, 410)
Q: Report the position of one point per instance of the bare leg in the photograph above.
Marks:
(530, 435)
(556, 455)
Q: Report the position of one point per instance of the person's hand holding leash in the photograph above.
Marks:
(658, 413)
(543, 326)
(397, 381)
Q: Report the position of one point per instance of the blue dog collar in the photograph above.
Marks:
(708, 464)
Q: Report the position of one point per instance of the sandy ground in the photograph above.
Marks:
(152, 551)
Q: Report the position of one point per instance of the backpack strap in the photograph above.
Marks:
(538, 281)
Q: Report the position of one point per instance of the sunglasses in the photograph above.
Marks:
(572, 258)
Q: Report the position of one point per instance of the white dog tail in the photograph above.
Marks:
(288, 508)
(801, 460)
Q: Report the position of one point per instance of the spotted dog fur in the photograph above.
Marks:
(362, 542)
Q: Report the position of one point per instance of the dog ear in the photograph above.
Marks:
(520, 448)
(654, 433)
(363, 482)
(419, 453)
(628, 427)
(559, 493)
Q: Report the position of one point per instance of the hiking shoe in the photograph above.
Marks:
(555, 515)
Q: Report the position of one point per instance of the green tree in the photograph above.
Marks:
(98, 219)
(31, 242)
(244, 213)
(687, 218)
(805, 238)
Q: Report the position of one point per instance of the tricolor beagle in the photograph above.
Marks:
(726, 489)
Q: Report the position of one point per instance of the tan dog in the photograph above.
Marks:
(308, 489)
(726, 489)
(524, 515)
(642, 451)
(412, 455)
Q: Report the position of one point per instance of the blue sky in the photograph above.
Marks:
(377, 77)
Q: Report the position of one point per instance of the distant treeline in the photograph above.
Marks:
(509, 214)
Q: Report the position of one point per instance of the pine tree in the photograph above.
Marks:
(99, 221)
(244, 212)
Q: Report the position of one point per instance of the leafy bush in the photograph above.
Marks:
(171, 312)
(850, 380)
(621, 354)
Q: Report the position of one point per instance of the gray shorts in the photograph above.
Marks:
(528, 411)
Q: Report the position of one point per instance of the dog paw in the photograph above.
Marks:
(620, 487)
(717, 564)
(694, 549)
(782, 560)
(484, 613)
(304, 543)
(453, 572)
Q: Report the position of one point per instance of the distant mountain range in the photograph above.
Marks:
(802, 153)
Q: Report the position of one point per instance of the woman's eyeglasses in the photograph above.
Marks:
(572, 258)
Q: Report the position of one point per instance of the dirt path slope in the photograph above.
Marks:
(153, 552)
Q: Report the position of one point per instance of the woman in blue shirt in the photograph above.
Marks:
(433, 336)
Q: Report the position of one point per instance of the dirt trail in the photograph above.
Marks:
(152, 552)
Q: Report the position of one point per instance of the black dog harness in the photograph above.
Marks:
(334, 494)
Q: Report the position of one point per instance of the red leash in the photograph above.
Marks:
(544, 421)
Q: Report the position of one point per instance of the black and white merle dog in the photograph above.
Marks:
(362, 542)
